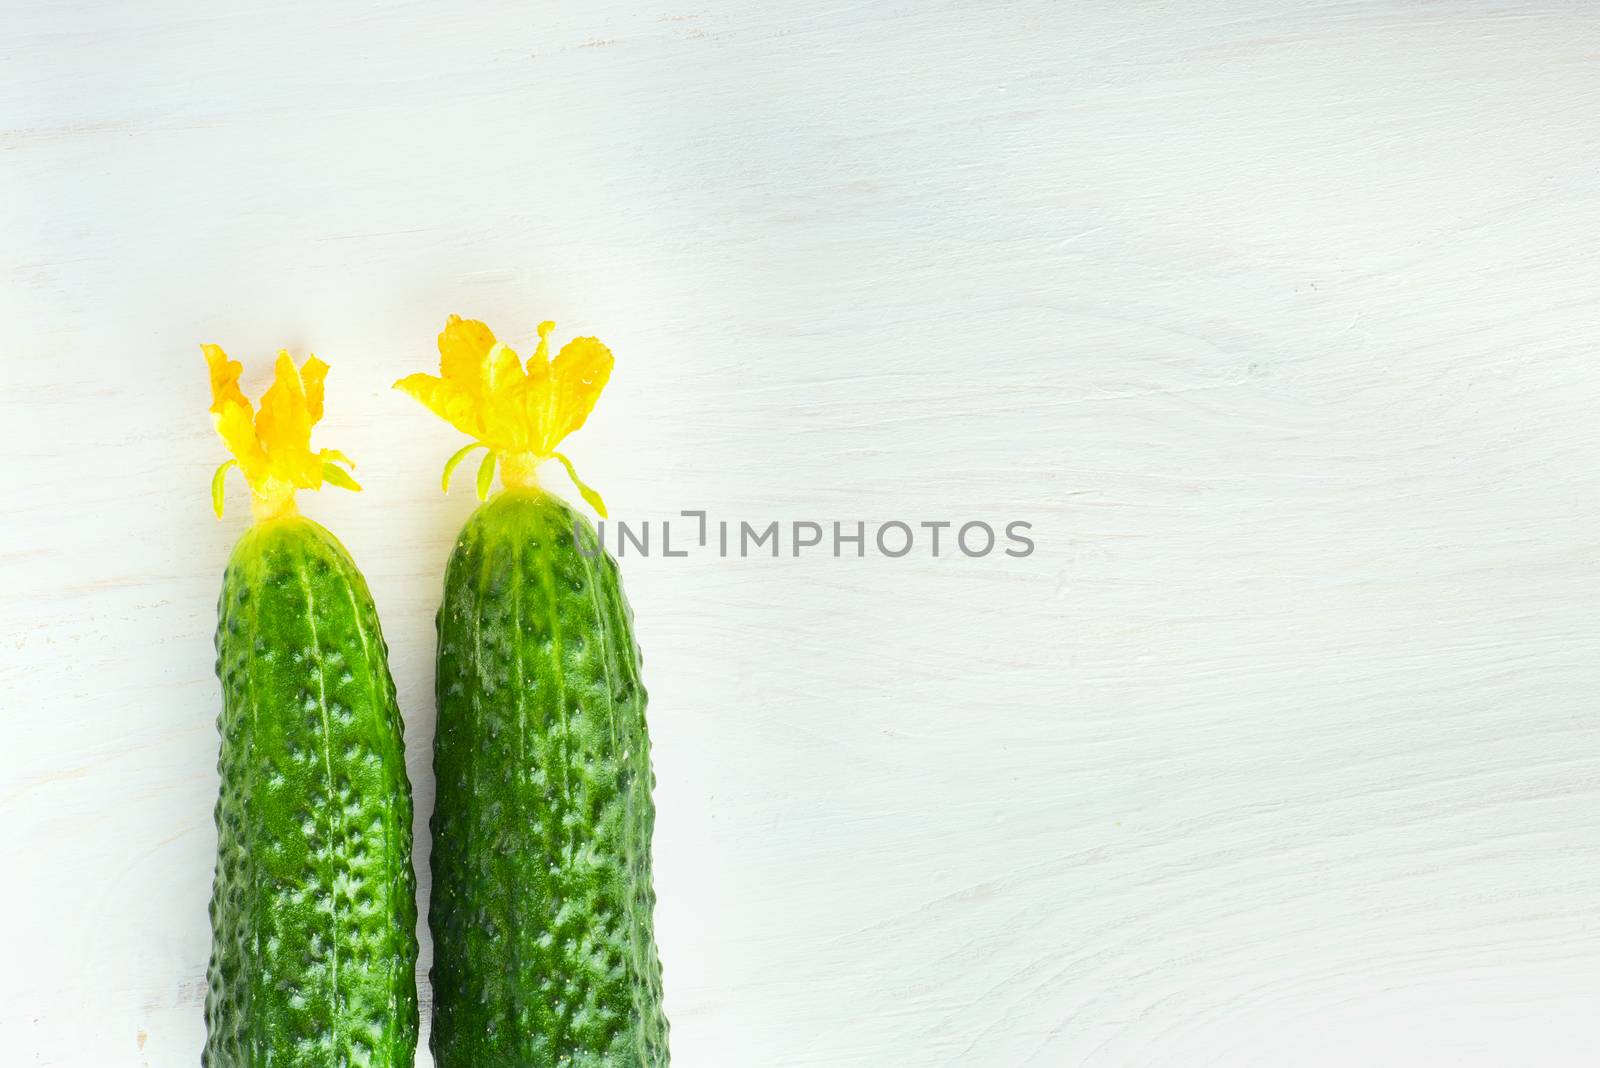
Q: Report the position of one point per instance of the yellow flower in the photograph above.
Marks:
(272, 447)
(519, 414)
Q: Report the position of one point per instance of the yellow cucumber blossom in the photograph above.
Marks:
(520, 414)
(272, 447)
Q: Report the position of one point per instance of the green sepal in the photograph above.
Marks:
(217, 481)
(589, 493)
(335, 475)
(486, 476)
(451, 464)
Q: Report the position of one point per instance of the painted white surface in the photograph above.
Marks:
(1278, 321)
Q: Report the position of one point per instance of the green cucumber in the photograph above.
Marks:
(313, 910)
(544, 952)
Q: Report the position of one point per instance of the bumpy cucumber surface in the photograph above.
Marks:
(544, 952)
(313, 911)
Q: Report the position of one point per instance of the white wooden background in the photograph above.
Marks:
(1278, 321)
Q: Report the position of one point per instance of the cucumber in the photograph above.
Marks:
(313, 912)
(542, 898)
(544, 950)
(313, 907)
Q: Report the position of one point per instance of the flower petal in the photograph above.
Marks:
(463, 347)
(232, 413)
(447, 400)
(312, 372)
(577, 377)
(504, 402)
(284, 426)
(224, 377)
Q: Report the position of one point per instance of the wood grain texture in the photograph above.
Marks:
(1277, 321)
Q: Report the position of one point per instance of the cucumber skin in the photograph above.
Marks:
(313, 911)
(544, 951)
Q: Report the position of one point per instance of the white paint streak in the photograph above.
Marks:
(1277, 321)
